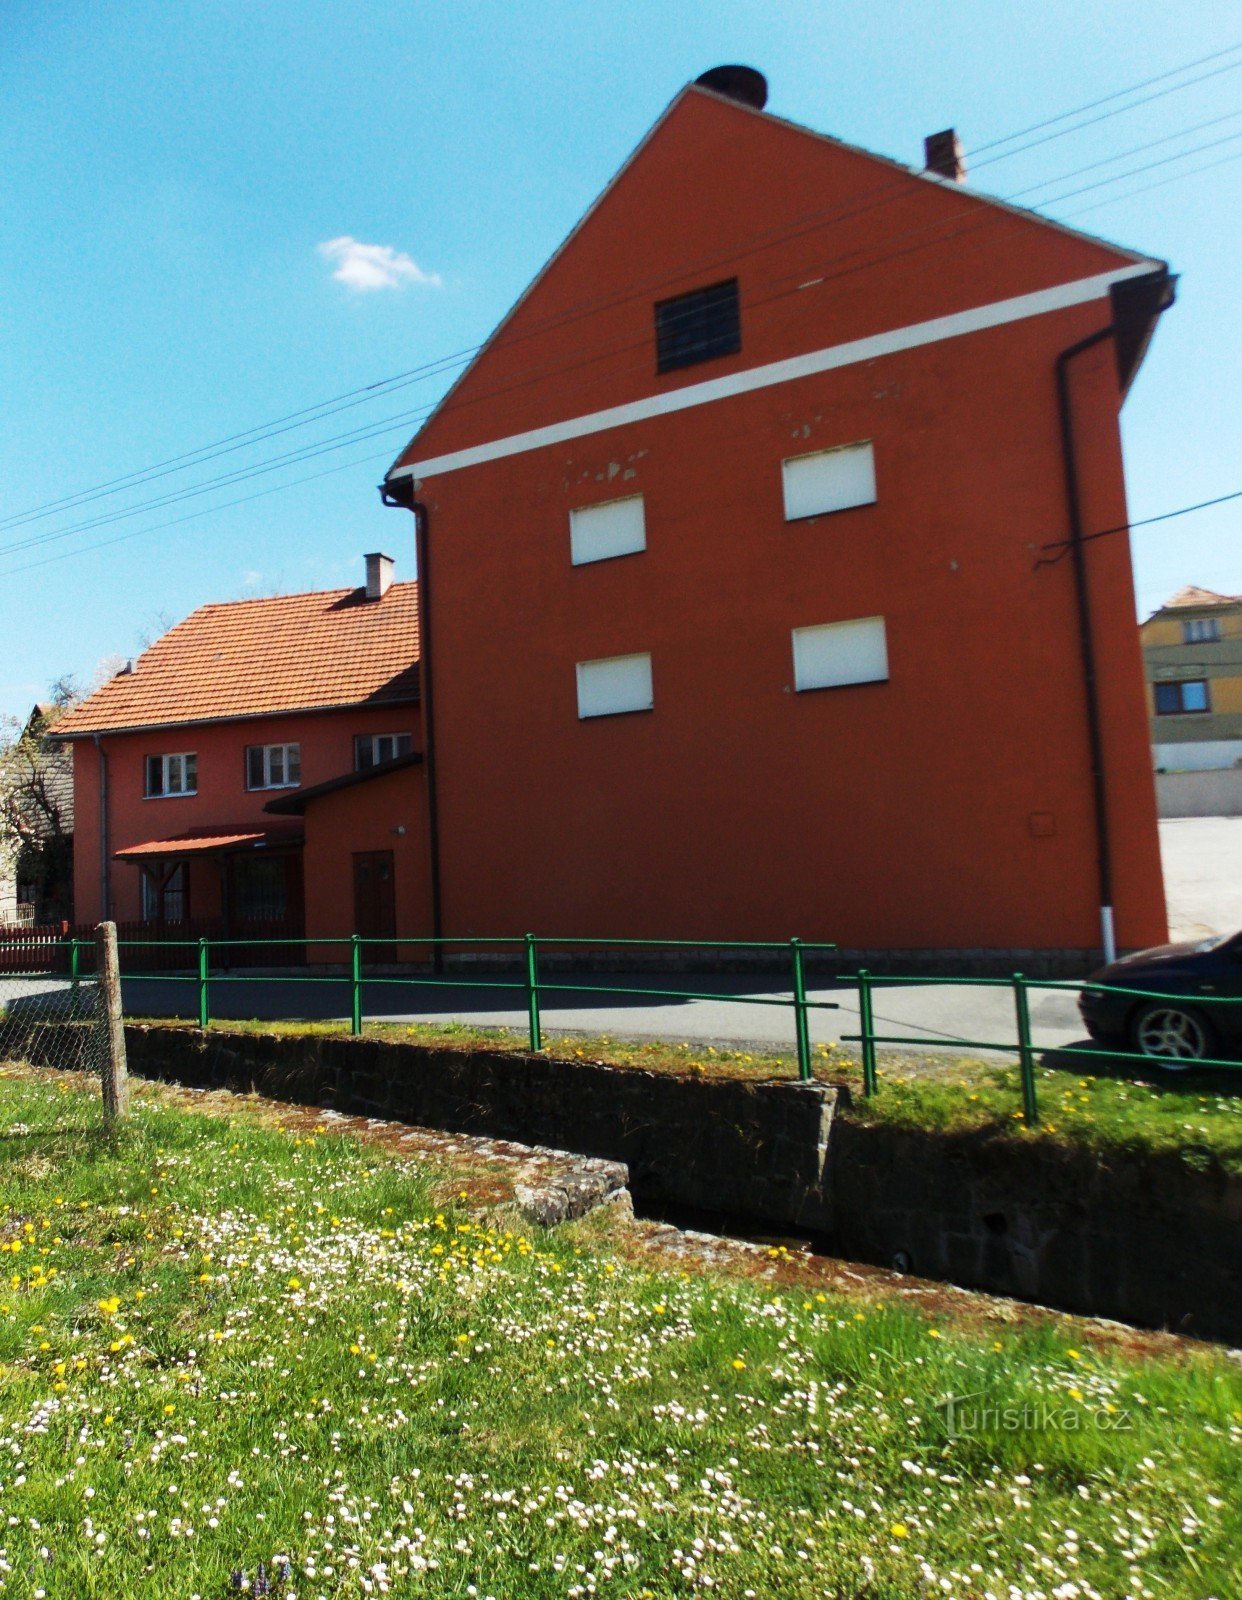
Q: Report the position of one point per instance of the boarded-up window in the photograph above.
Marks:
(698, 326)
(616, 528)
(829, 480)
(620, 683)
(840, 652)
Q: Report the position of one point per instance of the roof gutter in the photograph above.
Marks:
(399, 493)
(1146, 299)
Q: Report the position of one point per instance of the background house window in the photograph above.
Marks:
(166, 893)
(609, 687)
(698, 326)
(374, 749)
(1179, 699)
(1200, 630)
(616, 528)
(829, 480)
(837, 653)
(273, 766)
(172, 775)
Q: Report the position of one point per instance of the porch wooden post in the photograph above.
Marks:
(115, 1071)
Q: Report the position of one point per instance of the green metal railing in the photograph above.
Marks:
(525, 951)
(1024, 1047)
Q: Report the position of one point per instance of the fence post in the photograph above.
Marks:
(75, 959)
(204, 1002)
(115, 1073)
(1026, 1051)
(801, 1018)
(355, 980)
(867, 1022)
(532, 992)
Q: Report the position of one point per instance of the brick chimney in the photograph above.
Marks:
(379, 575)
(943, 155)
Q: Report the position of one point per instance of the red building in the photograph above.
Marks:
(181, 761)
(735, 540)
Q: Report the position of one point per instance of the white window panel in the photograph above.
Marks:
(829, 480)
(840, 652)
(620, 683)
(616, 528)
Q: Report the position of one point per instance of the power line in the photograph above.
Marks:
(1117, 94)
(1090, 122)
(310, 414)
(404, 419)
(1064, 546)
(1160, 183)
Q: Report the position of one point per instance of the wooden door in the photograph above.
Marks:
(375, 903)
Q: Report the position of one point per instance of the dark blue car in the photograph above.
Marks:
(1178, 1025)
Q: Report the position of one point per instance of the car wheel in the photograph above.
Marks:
(1172, 1034)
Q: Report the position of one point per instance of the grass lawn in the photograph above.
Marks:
(238, 1354)
(1197, 1115)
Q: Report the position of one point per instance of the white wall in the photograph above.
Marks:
(1200, 794)
(1198, 755)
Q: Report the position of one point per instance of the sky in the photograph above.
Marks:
(218, 213)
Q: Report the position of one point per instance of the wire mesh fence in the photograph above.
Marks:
(52, 1021)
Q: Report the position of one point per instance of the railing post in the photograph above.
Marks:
(867, 1023)
(532, 992)
(801, 1020)
(204, 1003)
(1026, 1051)
(355, 983)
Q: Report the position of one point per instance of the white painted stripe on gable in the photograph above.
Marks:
(839, 355)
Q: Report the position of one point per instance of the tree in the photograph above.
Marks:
(36, 805)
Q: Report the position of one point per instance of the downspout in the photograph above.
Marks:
(399, 492)
(1086, 640)
(105, 896)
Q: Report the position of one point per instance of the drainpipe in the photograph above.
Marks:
(399, 492)
(105, 897)
(1082, 593)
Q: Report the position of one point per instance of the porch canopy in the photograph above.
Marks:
(212, 841)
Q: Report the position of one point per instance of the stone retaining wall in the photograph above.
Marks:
(1154, 1240)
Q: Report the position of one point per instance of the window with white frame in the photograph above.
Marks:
(829, 480)
(172, 775)
(837, 653)
(273, 766)
(615, 528)
(1200, 630)
(374, 749)
(615, 685)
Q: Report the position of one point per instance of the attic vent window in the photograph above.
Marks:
(698, 326)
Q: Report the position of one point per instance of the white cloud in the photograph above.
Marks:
(364, 267)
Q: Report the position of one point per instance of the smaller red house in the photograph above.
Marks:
(217, 779)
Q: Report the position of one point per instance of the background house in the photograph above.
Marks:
(1192, 651)
(176, 759)
(36, 823)
(740, 627)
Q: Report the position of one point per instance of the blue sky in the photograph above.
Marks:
(173, 172)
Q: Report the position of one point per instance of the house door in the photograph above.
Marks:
(375, 903)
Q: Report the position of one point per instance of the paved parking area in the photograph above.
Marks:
(1202, 859)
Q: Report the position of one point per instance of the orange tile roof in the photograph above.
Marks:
(1192, 595)
(201, 841)
(252, 658)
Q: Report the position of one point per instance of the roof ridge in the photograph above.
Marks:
(296, 594)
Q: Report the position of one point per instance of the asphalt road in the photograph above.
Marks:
(1203, 877)
(738, 1011)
